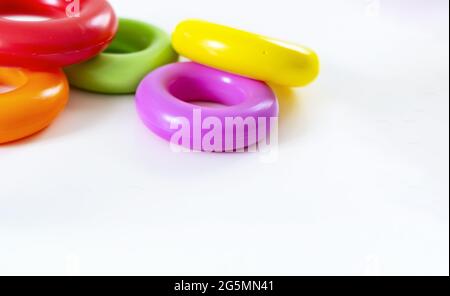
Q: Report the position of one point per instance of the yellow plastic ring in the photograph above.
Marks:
(246, 54)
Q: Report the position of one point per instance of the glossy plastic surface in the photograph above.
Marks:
(58, 41)
(35, 101)
(246, 54)
(168, 93)
(137, 49)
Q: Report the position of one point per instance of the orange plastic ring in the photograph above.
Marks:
(34, 102)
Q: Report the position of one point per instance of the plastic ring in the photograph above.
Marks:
(59, 41)
(36, 100)
(165, 98)
(246, 54)
(137, 49)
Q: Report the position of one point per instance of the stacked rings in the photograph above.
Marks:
(230, 67)
(100, 53)
(39, 87)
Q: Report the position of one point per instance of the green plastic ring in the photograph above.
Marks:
(138, 49)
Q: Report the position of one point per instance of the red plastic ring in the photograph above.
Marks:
(61, 40)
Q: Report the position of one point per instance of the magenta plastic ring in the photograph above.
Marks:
(164, 101)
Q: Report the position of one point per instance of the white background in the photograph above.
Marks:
(360, 186)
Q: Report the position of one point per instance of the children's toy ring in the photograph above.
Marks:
(165, 98)
(67, 37)
(246, 54)
(137, 49)
(35, 101)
